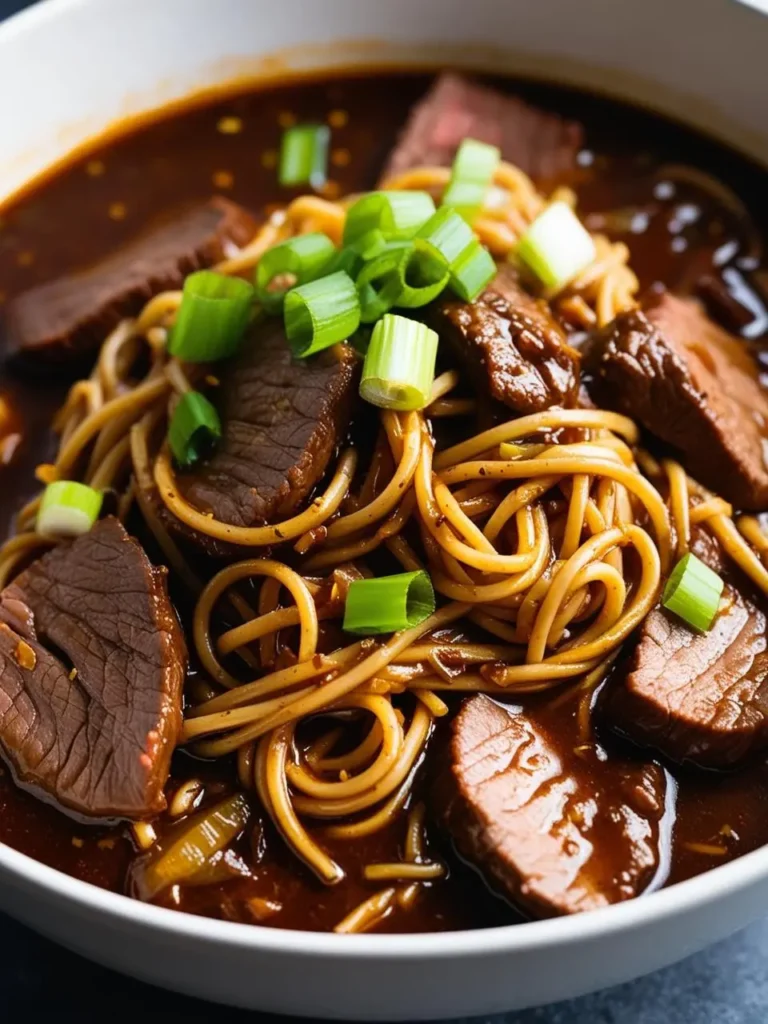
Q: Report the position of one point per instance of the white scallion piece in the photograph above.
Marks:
(556, 247)
(68, 509)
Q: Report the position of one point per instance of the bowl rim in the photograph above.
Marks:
(653, 908)
(660, 905)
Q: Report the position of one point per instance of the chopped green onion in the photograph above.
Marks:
(693, 592)
(378, 284)
(399, 367)
(472, 272)
(212, 317)
(347, 259)
(186, 852)
(195, 429)
(296, 261)
(475, 161)
(423, 273)
(447, 233)
(471, 176)
(321, 313)
(381, 217)
(556, 247)
(387, 604)
(406, 274)
(68, 509)
(304, 155)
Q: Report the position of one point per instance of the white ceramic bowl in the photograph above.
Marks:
(70, 67)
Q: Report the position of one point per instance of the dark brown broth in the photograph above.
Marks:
(100, 201)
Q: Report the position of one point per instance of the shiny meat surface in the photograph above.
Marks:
(693, 386)
(70, 316)
(283, 418)
(512, 347)
(92, 663)
(543, 145)
(699, 697)
(554, 832)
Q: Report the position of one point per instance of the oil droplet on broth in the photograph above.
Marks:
(230, 125)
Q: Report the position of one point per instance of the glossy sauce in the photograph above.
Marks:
(676, 232)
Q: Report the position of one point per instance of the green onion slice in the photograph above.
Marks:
(472, 272)
(347, 259)
(693, 592)
(378, 283)
(471, 176)
(68, 509)
(304, 155)
(195, 429)
(381, 217)
(187, 850)
(321, 313)
(296, 261)
(399, 367)
(556, 247)
(406, 274)
(423, 273)
(387, 604)
(447, 233)
(212, 317)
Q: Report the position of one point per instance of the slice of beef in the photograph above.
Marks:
(698, 697)
(92, 664)
(554, 833)
(693, 386)
(543, 145)
(282, 420)
(514, 350)
(71, 316)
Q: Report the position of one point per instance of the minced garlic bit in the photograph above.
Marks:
(73, 674)
(230, 125)
(117, 211)
(78, 842)
(286, 119)
(25, 656)
(338, 118)
(211, 381)
(223, 179)
(45, 473)
(94, 168)
(106, 844)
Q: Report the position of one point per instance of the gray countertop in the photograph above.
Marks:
(727, 984)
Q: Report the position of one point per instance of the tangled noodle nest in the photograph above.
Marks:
(551, 557)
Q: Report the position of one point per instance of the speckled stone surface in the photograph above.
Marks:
(727, 984)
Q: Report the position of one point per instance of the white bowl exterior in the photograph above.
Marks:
(78, 65)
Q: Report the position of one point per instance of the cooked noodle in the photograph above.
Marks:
(552, 557)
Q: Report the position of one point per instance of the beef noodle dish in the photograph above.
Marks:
(384, 466)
